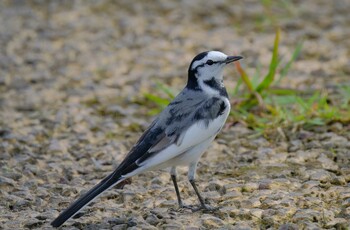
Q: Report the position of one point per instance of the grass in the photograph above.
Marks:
(267, 106)
(262, 105)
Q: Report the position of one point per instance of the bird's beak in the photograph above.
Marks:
(230, 59)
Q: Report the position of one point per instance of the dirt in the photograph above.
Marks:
(73, 75)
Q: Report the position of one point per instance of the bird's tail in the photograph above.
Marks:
(85, 199)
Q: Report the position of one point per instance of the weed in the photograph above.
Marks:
(264, 106)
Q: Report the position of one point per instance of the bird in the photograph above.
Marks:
(178, 136)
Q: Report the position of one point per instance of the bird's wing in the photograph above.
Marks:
(186, 122)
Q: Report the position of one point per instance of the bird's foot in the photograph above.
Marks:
(182, 206)
(205, 208)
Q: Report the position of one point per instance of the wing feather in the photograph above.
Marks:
(182, 125)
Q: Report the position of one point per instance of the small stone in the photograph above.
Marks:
(264, 185)
(335, 141)
(295, 145)
(314, 144)
(211, 222)
(288, 226)
(33, 223)
(166, 203)
(192, 228)
(57, 146)
(230, 210)
(344, 195)
(279, 183)
(338, 223)
(320, 175)
(336, 127)
(305, 215)
(346, 203)
(215, 186)
(212, 195)
(251, 203)
(256, 212)
(265, 155)
(120, 227)
(310, 184)
(338, 180)
(309, 215)
(117, 221)
(4, 181)
(156, 181)
(152, 219)
(250, 187)
(346, 173)
(269, 203)
(172, 226)
(232, 187)
(327, 163)
(302, 156)
(346, 211)
(128, 196)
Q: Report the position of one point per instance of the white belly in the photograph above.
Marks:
(195, 141)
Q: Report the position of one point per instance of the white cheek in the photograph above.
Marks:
(208, 73)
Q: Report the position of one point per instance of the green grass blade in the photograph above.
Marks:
(168, 91)
(283, 91)
(161, 102)
(238, 84)
(255, 79)
(295, 55)
(345, 93)
(269, 78)
(244, 76)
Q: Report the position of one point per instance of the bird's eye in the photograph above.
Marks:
(210, 62)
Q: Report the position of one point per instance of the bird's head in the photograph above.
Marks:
(208, 65)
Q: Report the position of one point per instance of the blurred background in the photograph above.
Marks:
(79, 80)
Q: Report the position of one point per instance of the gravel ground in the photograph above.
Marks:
(72, 79)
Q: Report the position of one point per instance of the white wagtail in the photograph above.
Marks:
(179, 135)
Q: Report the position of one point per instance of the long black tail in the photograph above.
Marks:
(85, 200)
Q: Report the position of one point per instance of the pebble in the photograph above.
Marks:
(232, 188)
(320, 175)
(295, 145)
(152, 219)
(336, 141)
(232, 195)
(120, 227)
(256, 212)
(250, 187)
(288, 226)
(210, 222)
(57, 146)
(173, 226)
(327, 163)
(338, 180)
(251, 203)
(338, 223)
(301, 156)
(6, 182)
(346, 203)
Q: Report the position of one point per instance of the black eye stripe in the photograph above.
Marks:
(210, 62)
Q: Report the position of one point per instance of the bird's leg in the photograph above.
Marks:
(191, 177)
(173, 178)
(200, 198)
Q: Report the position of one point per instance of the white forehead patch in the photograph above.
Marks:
(212, 55)
(216, 56)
